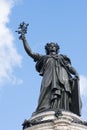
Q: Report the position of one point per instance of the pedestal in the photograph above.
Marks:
(55, 121)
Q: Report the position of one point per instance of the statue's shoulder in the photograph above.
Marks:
(66, 58)
(37, 57)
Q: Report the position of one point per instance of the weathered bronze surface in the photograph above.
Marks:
(59, 87)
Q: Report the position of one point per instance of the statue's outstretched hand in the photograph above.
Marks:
(22, 37)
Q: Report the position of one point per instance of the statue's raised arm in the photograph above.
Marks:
(22, 30)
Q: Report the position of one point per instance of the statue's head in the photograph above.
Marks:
(52, 48)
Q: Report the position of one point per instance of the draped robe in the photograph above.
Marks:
(56, 88)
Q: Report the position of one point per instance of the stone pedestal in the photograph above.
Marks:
(55, 121)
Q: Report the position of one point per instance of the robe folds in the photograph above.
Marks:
(57, 85)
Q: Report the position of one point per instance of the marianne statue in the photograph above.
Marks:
(59, 87)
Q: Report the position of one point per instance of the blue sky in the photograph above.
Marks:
(64, 22)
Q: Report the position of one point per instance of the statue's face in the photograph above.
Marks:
(52, 48)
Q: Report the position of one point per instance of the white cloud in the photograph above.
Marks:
(83, 85)
(83, 91)
(9, 57)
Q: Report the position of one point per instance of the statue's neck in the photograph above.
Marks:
(53, 53)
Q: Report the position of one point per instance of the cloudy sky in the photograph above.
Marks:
(62, 21)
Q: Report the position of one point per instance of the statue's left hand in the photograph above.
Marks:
(77, 77)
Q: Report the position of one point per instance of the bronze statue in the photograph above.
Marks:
(59, 87)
